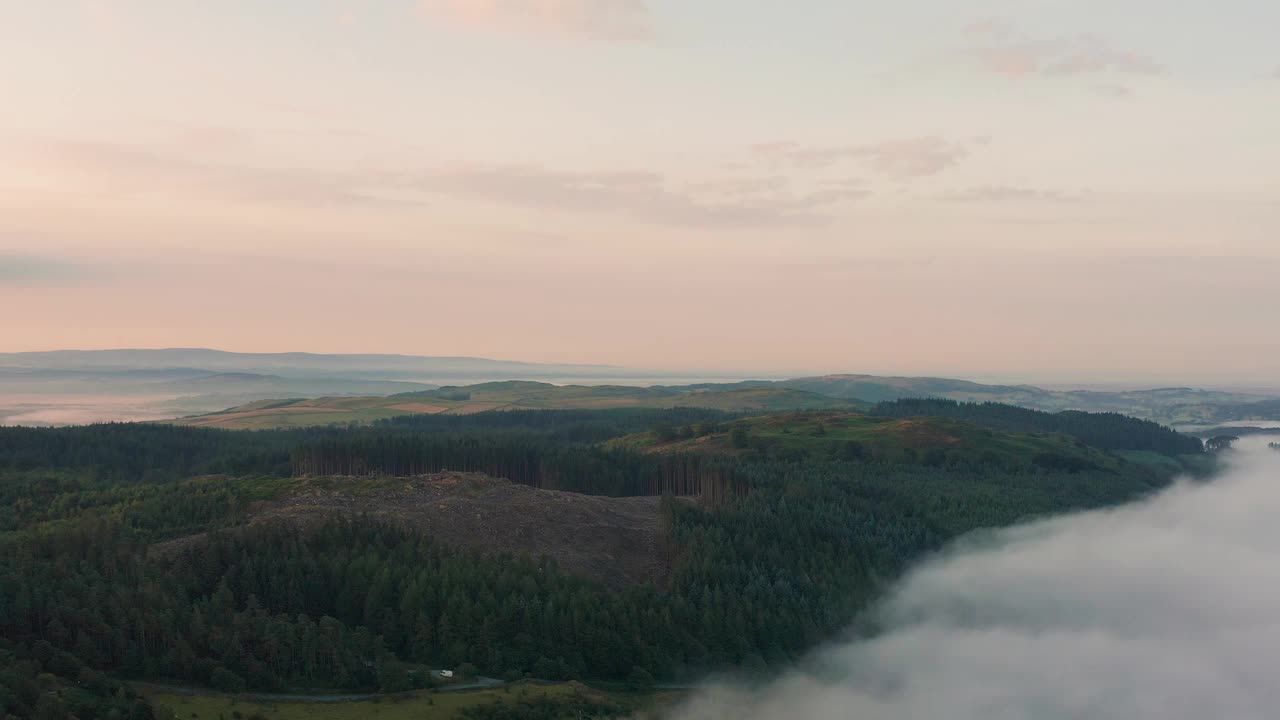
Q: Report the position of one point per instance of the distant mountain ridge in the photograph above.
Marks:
(1169, 405)
(295, 363)
(874, 388)
(178, 382)
(507, 395)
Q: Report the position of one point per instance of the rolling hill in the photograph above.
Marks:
(295, 364)
(1179, 405)
(509, 395)
(855, 436)
(1172, 406)
(71, 386)
(608, 539)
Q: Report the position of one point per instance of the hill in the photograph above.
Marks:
(1107, 431)
(928, 441)
(1177, 406)
(611, 540)
(330, 557)
(297, 364)
(1164, 405)
(70, 386)
(874, 389)
(1227, 412)
(507, 395)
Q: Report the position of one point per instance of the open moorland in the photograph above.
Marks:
(510, 395)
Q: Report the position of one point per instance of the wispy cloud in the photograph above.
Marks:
(989, 27)
(1005, 51)
(1011, 194)
(644, 195)
(906, 159)
(1113, 91)
(744, 186)
(895, 159)
(735, 200)
(123, 168)
(24, 270)
(612, 20)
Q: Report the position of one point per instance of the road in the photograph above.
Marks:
(479, 683)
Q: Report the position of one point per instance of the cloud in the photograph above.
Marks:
(905, 159)
(989, 27)
(1010, 194)
(122, 168)
(644, 195)
(613, 20)
(1161, 610)
(744, 186)
(1006, 53)
(30, 270)
(895, 159)
(1113, 91)
(728, 202)
(1092, 55)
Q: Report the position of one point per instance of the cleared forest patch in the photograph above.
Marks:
(612, 540)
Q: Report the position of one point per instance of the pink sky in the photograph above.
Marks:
(1023, 189)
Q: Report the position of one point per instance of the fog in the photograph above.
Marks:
(1167, 609)
(38, 409)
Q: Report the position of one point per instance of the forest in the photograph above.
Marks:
(1105, 431)
(126, 551)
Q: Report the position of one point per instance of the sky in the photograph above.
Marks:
(1041, 189)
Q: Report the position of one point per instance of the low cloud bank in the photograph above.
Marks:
(1167, 609)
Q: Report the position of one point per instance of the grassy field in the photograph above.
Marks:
(514, 395)
(423, 706)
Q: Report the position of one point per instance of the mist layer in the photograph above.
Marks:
(1162, 609)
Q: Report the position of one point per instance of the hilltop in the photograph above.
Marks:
(928, 441)
(832, 392)
(613, 540)
(71, 386)
(1175, 406)
(299, 364)
(507, 395)
(872, 388)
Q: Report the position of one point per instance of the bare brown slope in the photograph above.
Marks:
(613, 540)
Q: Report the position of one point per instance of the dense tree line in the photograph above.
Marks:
(1105, 431)
(147, 511)
(40, 681)
(149, 453)
(529, 460)
(141, 453)
(559, 426)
